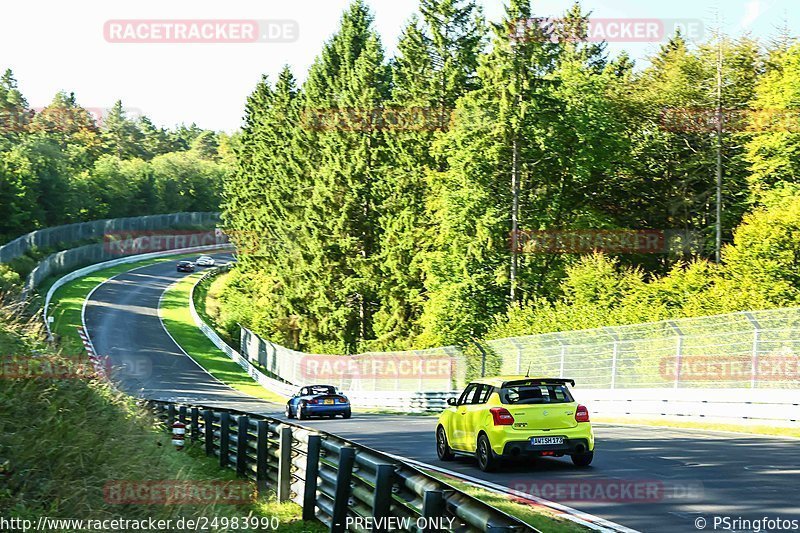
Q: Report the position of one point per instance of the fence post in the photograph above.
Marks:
(224, 440)
(262, 451)
(344, 475)
(483, 356)
(614, 355)
(433, 506)
(518, 350)
(194, 432)
(208, 429)
(563, 363)
(678, 353)
(182, 414)
(285, 464)
(312, 470)
(241, 444)
(382, 498)
(756, 341)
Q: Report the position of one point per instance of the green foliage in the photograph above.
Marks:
(58, 166)
(759, 271)
(357, 235)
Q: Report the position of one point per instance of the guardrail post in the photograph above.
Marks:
(170, 416)
(224, 437)
(312, 470)
(262, 451)
(194, 431)
(344, 474)
(433, 506)
(208, 429)
(285, 464)
(241, 444)
(382, 498)
(182, 414)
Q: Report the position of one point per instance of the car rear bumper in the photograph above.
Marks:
(514, 443)
(327, 410)
(526, 449)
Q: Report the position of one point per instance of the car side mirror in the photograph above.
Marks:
(451, 401)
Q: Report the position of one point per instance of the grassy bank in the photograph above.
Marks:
(64, 440)
(177, 318)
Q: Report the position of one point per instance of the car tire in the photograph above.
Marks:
(288, 411)
(487, 460)
(443, 449)
(301, 412)
(346, 414)
(582, 459)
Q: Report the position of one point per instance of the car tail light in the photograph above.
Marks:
(313, 402)
(501, 416)
(341, 399)
(581, 414)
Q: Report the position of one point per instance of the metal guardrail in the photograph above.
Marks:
(334, 480)
(81, 231)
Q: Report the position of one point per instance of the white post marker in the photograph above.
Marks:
(178, 434)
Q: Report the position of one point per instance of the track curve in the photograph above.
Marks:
(695, 473)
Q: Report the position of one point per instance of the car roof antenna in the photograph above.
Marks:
(528, 373)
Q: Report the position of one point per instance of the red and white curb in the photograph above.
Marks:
(100, 364)
(587, 520)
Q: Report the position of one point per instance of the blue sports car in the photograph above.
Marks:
(317, 400)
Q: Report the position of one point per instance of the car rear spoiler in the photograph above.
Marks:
(543, 381)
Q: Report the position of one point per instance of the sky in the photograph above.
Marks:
(72, 46)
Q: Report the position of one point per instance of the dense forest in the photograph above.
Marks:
(383, 189)
(62, 164)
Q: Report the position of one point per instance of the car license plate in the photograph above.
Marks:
(546, 441)
(328, 402)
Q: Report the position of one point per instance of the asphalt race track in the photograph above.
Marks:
(680, 475)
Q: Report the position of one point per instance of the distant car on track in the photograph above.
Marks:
(205, 261)
(515, 416)
(318, 400)
(185, 266)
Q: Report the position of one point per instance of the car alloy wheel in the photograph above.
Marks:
(288, 411)
(442, 447)
(486, 459)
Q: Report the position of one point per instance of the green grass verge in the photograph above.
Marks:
(177, 318)
(536, 516)
(709, 426)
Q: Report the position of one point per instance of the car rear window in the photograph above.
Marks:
(531, 394)
(322, 390)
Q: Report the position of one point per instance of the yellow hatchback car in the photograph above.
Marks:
(515, 416)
